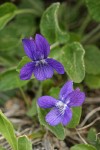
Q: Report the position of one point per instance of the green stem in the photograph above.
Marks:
(36, 135)
(85, 23)
(22, 11)
(94, 38)
(54, 45)
(86, 38)
(24, 97)
(79, 4)
(76, 8)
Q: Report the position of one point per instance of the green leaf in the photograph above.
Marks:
(1, 148)
(10, 80)
(38, 134)
(92, 81)
(7, 60)
(55, 53)
(33, 110)
(47, 85)
(74, 37)
(75, 118)
(49, 25)
(24, 143)
(24, 61)
(72, 57)
(92, 135)
(92, 60)
(7, 12)
(58, 130)
(94, 8)
(7, 130)
(24, 24)
(38, 5)
(93, 139)
(54, 92)
(10, 37)
(83, 147)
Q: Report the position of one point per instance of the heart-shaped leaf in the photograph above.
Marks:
(49, 25)
(72, 57)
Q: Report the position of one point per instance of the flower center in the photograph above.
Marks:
(40, 62)
(61, 107)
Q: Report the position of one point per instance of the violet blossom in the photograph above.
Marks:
(61, 109)
(41, 66)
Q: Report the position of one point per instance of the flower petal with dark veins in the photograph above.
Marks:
(53, 117)
(76, 98)
(26, 71)
(65, 90)
(67, 116)
(56, 65)
(47, 102)
(30, 48)
(43, 72)
(42, 46)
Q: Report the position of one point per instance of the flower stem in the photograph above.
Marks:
(54, 45)
(86, 38)
(32, 11)
(94, 38)
(24, 97)
(85, 23)
(81, 137)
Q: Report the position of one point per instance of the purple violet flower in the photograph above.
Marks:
(61, 111)
(41, 66)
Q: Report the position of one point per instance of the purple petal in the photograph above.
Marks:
(42, 45)
(78, 89)
(65, 90)
(76, 98)
(46, 101)
(26, 71)
(30, 48)
(56, 65)
(53, 117)
(43, 72)
(67, 116)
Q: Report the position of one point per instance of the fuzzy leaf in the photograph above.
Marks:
(58, 130)
(75, 118)
(72, 57)
(49, 25)
(94, 8)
